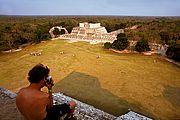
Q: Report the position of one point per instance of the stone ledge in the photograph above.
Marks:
(82, 110)
(88, 112)
(7, 92)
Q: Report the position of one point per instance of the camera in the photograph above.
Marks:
(49, 80)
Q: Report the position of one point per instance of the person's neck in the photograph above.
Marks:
(35, 86)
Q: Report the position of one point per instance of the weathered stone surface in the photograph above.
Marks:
(82, 111)
(88, 112)
(7, 92)
(8, 110)
(132, 116)
(90, 32)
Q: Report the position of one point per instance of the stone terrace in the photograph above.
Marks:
(82, 111)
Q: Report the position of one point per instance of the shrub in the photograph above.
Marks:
(173, 52)
(107, 45)
(121, 43)
(142, 46)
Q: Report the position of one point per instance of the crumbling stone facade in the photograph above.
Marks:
(91, 32)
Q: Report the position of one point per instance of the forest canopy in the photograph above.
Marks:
(19, 30)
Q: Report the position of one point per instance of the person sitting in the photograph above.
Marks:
(35, 104)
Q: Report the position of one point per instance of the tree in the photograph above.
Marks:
(108, 25)
(120, 26)
(41, 33)
(16, 38)
(69, 24)
(173, 52)
(1, 42)
(38, 36)
(142, 46)
(171, 42)
(9, 41)
(56, 32)
(121, 35)
(164, 37)
(107, 45)
(121, 43)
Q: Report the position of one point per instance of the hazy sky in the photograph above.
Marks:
(91, 7)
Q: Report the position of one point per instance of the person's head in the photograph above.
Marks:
(38, 73)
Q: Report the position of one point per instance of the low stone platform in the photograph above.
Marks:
(82, 111)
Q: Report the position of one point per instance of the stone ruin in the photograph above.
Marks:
(88, 112)
(57, 27)
(91, 32)
(95, 33)
(82, 111)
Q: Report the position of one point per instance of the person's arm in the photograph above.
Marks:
(50, 97)
(49, 86)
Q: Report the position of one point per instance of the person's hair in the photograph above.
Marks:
(38, 73)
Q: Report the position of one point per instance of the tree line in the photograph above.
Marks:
(142, 45)
(122, 43)
(18, 30)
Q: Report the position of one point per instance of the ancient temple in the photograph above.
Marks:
(89, 29)
(91, 32)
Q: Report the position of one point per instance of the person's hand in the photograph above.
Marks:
(50, 84)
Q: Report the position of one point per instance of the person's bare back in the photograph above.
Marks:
(32, 103)
(37, 105)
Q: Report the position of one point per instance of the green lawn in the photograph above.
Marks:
(114, 82)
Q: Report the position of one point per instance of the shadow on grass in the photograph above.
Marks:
(172, 95)
(87, 89)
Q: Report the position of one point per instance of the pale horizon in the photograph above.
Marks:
(90, 8)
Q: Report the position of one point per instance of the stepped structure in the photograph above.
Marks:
(82, 111)
(91, 32)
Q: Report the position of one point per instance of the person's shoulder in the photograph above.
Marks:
(44, 94)
(21, 94)
(21, 91)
